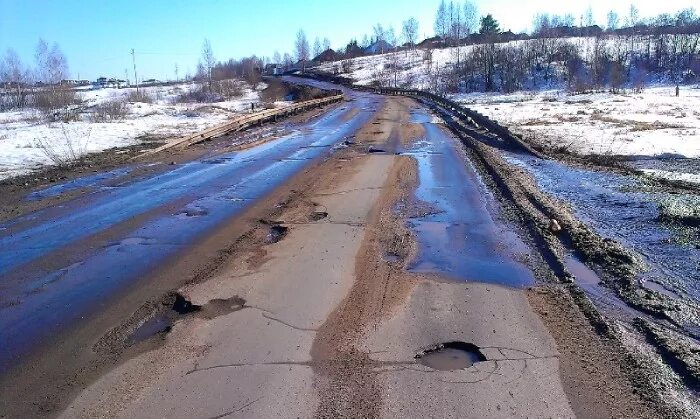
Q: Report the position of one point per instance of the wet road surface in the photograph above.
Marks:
(459, 238)
(98, 245)
(330, 330)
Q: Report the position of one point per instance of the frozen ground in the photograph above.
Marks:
(22, 132)
(651, 123)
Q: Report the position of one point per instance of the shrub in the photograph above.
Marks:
(57, 103)
(109, 111)
(197, 95)
(66, 146)
(220, 90)
(139, 96)
(227, 89)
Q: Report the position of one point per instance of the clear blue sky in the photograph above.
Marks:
(96, 36)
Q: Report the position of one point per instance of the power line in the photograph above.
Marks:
(136, 80)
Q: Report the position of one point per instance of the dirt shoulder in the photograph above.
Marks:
(627, 370)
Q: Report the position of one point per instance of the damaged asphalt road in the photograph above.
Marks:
(362, 268)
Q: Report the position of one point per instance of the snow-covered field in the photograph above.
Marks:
(413, 70)
(22, 133)
(651, 123)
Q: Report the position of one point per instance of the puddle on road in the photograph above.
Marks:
(249, 173)
(194, 212)
(451, 356)
(151, 327)
(392, 258)
(77, 183)
(590, 282)
(276, 233)
(458, 238)
(318, 215)
(655, 286)
(373, 149)
(162, 322)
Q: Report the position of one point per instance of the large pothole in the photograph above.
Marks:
(450, 356)
(175, 307)
(276, 231)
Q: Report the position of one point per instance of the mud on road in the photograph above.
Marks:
(306, 305)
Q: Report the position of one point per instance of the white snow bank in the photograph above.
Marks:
(651, 123)
(25, 136)
(686, 177)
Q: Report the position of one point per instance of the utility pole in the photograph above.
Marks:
(136, 80)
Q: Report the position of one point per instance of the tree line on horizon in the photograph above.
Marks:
(627, 51)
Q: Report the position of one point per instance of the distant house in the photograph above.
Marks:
(327, 55)
(433, 42)
(71, 83)
(378, 47)
(353, 50)
(104, 82)
(100, 83)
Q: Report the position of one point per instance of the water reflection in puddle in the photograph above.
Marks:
(459, 237)
(617, 206)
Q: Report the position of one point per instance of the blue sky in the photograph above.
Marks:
(97, 36)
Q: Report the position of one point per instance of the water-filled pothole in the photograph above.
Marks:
(318, 215)
(450, 356)
(276, 233)
(176, 307)
(194, 212)
(373, 149)
(392, 257)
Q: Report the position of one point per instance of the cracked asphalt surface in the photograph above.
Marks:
(326, 321)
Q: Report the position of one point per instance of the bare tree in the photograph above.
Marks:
(613, 20)
(379, 35)
(541, 24)
(51, 70)
(276, 58)
(568, 20)
(51, 64)
(317, 48)
(41, 57)
(390, 37)
(440, 25)
(450, 20)
(208, 60)
(287, 61)
(326, 44)
(302, 49)
(588, 17)
(471, 18)
(457, 25)
(633, 17)
(365, 42)
(409, 32)
(15, 75)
